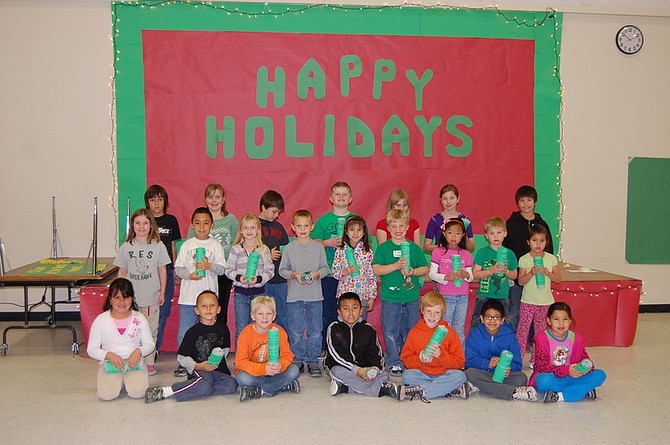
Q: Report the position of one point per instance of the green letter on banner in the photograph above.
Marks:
(226, 136)
(427, 129)
(350, 67)
(466, 148)
(265, 86)
(295, 149)
(384, 72)
(395, 132)
(311, 75)
(418, 85)
(264, 150)
(357, 127)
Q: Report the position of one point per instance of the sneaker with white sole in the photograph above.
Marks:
(250, 392)
(550, 397)
(180, 372)
(395, 371)
(525, 393)
(591, 395)
(409, 392)
(338, 388)
(294, 386)
(463, 391)
(153, 394)
(314, 370)
(388, 389)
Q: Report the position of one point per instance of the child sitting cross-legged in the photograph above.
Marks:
(354, 355)
(255, 373)
(433, 371)
(205, 378)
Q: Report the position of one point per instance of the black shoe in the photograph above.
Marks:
(314, 370)
(338, 388)
(294, 386)
(180, 372)
(395, 371)
(550, 397)
(250, 392)
(388, 389)
(301, 366)
(591, 395)
(153, 394)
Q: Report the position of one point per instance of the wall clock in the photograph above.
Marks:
(629, 39)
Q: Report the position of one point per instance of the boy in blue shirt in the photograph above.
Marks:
(399, 290)
(483, 347)
(494, 277)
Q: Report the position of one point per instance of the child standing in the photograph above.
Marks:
(452, 242)
(493, 276)
(143, 258)
(516, 240)
(399, 290)
(325, 232)
(449, 198)
(359, 278)
(483, 347)
(437, 370)
(275, 237)
(535, 300)
(119, 338)
(257, 376)
(399, 200)
(156, 200)
(355, 357)
(304, 265)
(248, 241)
(205, 379)
(191, 271)
(558, 350)
(224, 230)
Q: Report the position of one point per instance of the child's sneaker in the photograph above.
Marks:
(525, 393)
(463, 391)
(550, 397)
(151, 370)
(153, 394)
(294, 386)
(591, 395)
(301, 366)
(338, 388)
(395, 371)
(388, 389)
(314, 370)
(250, 392)
(408, 392)
(180, 372)
(473, 389)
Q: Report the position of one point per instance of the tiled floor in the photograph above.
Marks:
(48, 395)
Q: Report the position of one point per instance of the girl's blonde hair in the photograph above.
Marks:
(153, 231)
(395, 197)
(214, 188)
(239, 239)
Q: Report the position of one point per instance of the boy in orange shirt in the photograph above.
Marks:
(438, 371)
(254, 373)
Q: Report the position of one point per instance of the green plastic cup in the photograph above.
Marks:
(456, 267)
(252, 266)
(405, 253)
(503, 363)
(273, 345)
(436, 339)
(200, 256)
(215, 357)
(539, 278)
(351, 260)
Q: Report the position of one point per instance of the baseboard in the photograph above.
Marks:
(650, 308)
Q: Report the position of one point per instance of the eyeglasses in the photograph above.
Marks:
(492, 318)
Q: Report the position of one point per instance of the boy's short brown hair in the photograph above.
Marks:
(340, 184)
(433, 298)
(302, 213)
(495, 222)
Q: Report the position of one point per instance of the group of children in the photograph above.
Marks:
(319, 288)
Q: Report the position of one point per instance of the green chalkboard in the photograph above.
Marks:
(648, 211)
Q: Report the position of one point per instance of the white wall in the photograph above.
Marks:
(55, 127)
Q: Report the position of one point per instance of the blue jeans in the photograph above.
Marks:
(514, 305)
(305, 316)
(166, 309)
(397, 320)
(279, 291)
(329, 290)
(435, 386)
(204, 383)
(270, 384)
(573, 389)
(457, 306)
(242, 305)
(478, 308)
(187, 319)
